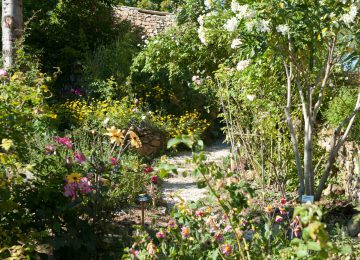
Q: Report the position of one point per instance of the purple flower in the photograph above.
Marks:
(70, 190)
(79, 157)
(85, 186)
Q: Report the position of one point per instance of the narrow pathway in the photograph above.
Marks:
(185, 187)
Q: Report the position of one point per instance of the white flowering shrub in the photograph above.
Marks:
(287, 54)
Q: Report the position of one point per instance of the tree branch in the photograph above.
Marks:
(329, 65)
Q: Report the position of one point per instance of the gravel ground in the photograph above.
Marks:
(185, 187)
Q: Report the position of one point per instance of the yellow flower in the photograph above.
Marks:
(74, 177)
(6, 144)
(134, 139)
(268, 209)
(116, 135)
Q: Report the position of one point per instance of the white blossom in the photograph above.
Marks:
(283, 29)
(235, 6)
(250, 97)
(243, 64)
(231, 24)
(242, 11)
(207, 4)
(350, 17)
(106, 121)
(263, 25)
(200, 20)
(342, 1)
(202, 36)
(250, 25)
(235, 43)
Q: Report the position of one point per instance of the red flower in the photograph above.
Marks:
(283, 201)
(148, 169)
(113, 161)
(154, 179)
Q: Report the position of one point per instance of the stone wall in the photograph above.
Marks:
(346, 168)
(151, 22)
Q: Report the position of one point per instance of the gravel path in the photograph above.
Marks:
(185, 187)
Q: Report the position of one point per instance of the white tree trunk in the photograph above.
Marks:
(12, 29)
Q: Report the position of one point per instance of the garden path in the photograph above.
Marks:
(185, 187)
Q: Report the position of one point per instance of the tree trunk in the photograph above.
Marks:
(308, 167)
(12, 29)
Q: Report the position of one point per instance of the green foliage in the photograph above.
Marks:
(65, 32)
(110, 64)
(23, 101)
(340, 107)
(169, 62)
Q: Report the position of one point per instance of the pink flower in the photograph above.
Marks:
(76, 92)
(154, 179)
(85, 186)
(226, 249)
(199, 213)
(113, 161)
(196, 79)
(185, 232)
(278, 219)
(3, 73)
(172, 223)
(79, 157)
(148, 169)
(160, 235)
(283, 201)
(64, 141)
(70, 190)
(134, 252)
(50, 149)
(227, 229)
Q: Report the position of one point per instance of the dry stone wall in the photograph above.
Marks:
(151, 22)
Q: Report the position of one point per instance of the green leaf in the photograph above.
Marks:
(184, 139)
(313, 246)
(346, 249)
